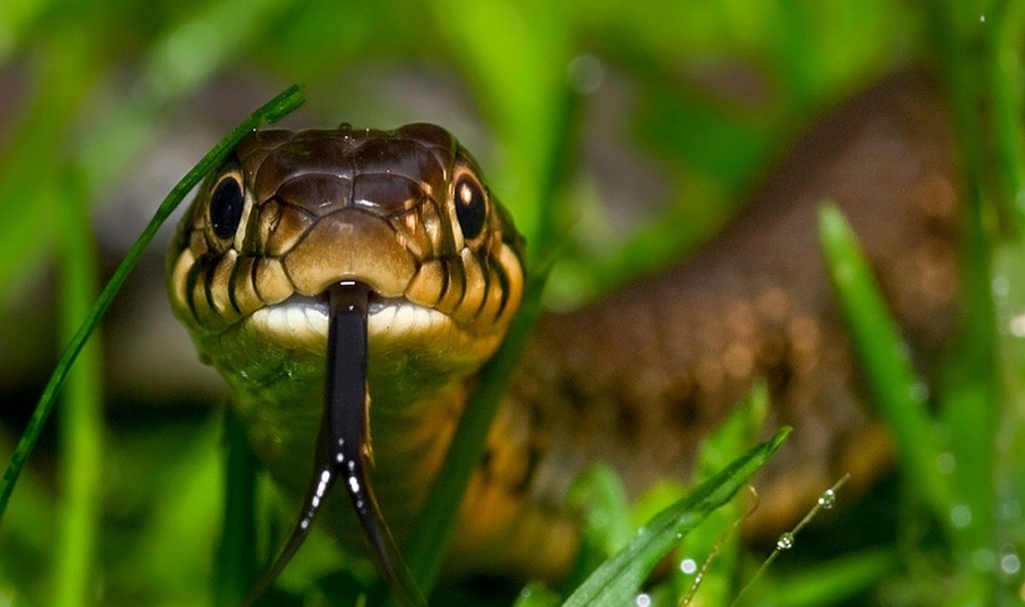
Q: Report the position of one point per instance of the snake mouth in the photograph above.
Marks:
(303, 320)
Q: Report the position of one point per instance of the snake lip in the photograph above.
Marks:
(319, 303)
(302, 319)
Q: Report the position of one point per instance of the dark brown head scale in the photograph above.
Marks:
(375, 170)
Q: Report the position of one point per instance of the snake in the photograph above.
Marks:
(294, 222)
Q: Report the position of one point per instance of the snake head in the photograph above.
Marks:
(289, 214)
(255, 274)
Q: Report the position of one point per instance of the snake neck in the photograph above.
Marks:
(410, 433)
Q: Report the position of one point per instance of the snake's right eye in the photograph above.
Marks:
(471, 208)
(226, 204)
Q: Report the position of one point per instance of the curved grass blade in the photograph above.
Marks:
(786, 540)
(272, 111)
(616, 582)
(883, 358)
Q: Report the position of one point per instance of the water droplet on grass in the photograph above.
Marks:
(961, 516)
(946, 462)
(828, 499)
(1010, 562)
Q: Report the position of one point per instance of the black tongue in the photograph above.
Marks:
(343, 446)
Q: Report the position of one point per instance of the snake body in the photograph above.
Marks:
(634, 380)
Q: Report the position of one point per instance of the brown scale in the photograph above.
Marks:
(639, 378)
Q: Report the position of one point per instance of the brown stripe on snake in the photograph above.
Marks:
(635, 380)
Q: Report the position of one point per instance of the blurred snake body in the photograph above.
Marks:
(634, 380)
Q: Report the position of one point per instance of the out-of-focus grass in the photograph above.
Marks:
(93, 85)
(897, 391)
(82, 423)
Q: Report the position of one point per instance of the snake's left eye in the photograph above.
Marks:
(226, 204)
(471, 208)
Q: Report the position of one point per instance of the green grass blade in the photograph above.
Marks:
(236, 555)
(615, 583)
(985, 102)
(883, 358)
(1005, 79)
(271, 112)
(81, 425)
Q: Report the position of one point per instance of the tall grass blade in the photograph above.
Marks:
(899, 394)
(81, 425)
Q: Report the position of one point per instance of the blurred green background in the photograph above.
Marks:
(672, 111)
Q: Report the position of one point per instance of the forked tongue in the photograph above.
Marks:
(343, 447)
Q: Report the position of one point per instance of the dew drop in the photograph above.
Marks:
(688, 566)
(1017, 325)
(904, 349)
(1011, 510)
(643, 600)
(785, 541)
(586, 73)
(828, 499)
(961, 516)
(946, 462)
(1010, 564)
(1001, 286)
(919, 392)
